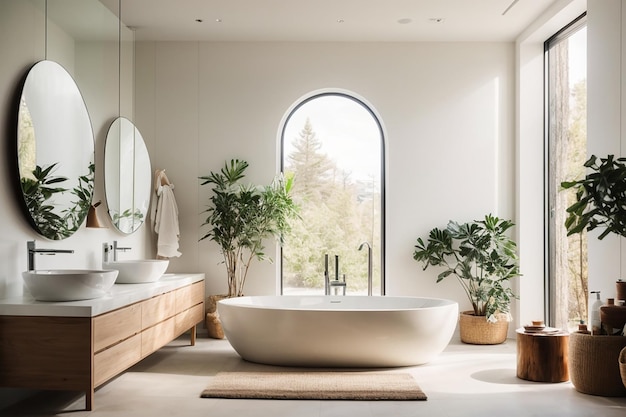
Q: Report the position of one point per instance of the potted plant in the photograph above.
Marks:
(483, 258)
(600, 202)
(600, 198)
(240, 218)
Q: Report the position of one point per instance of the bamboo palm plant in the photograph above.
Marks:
(241, 216)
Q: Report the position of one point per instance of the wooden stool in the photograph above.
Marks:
(542, 357)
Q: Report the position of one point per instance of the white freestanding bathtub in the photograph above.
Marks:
(338, 331)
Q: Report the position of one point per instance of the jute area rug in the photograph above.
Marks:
(314, 386)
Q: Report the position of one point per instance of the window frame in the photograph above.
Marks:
(383, 177)
(561, 35)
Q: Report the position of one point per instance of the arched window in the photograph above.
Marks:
(333, 143)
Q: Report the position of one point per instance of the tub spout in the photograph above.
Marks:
(338, 287)
(326, 276)
(333, 286)
(369, 266)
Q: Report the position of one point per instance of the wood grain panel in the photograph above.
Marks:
(157, 336)
(113, 327)
(189, 296)
(32, 353)
(157, 309)
(189, 318)
(116, 359)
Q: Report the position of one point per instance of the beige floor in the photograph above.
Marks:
(464, 381)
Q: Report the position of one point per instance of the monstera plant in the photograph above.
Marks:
(483, 258)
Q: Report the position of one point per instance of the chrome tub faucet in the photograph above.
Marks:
(369, 266)
(333, 286)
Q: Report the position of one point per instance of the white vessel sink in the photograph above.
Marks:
(69, 284)
(138, 271)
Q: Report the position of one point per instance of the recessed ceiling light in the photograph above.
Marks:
(404, 21)
(437, 19)
(218, 20)
(340, 20)
(199, 20)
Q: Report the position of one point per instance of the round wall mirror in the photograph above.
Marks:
(55, 151)
(127, 176)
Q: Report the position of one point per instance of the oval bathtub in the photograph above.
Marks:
(331, 331)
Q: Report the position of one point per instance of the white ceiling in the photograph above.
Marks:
(329, 20)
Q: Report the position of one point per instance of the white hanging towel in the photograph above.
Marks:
(166, 217)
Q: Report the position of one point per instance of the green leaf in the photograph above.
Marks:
(480, 253)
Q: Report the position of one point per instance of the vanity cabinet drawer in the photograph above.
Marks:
(157, 309)
(113, 327)
(189, 296)
(157, 336)
(189, 318)
(116, 359)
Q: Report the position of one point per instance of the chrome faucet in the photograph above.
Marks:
(334, 284)
(32, 250)
(326, 276)
(369, 266)
(106, 249)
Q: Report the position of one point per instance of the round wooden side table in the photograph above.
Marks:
(542, 357)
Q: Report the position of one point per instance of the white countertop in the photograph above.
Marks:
(119, 296)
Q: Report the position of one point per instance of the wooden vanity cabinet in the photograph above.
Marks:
(82, 353)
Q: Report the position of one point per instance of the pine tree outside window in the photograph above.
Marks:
(333, 144)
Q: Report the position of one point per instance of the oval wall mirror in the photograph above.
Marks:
(127, 176)
(55, 151)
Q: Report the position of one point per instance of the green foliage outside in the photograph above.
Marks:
(337, 215)
(575, 168)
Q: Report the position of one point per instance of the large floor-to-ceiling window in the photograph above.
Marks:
(333, 143)
(566, 139)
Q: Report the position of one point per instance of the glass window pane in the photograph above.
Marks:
(333, 144)
(566, 73)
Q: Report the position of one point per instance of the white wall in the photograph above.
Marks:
(22, 44)
(606, 134)
(447, 109)
(606, 130)
(530, 210)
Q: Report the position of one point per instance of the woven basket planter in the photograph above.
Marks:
(622, 366)
(594, 366)
(476, 330)
(212, 321)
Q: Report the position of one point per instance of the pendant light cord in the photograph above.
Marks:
(119, 59)
(45, 35)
